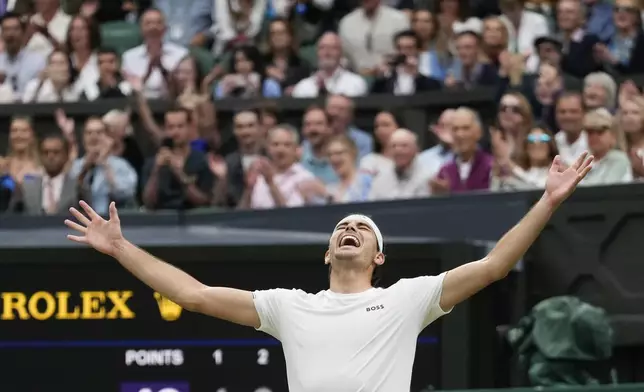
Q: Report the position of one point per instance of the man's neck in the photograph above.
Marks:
(466, 156)
(348, 177)
(284, 168)
(49, 14)
(348, 281)
(319, 150)
(54, 174)
(371, 12)
(281, 53)
(329, 72)
(572, 137)
(249, 149)
(599, 155)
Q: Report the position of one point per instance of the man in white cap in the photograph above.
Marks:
(352, 337)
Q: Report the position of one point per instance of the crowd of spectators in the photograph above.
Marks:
(563, 71)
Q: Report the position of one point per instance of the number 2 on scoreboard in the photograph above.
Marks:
(262, 356)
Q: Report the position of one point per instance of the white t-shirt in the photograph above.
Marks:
(350, 342)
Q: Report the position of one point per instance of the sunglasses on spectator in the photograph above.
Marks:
(541, 138)
(510, 108)
(627, 9)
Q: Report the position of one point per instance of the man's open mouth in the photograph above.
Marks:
(350, 240)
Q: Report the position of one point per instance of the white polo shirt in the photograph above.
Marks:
(342, 82)
(136, 62)
(351, 342)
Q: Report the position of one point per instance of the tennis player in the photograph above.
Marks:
(352, 337)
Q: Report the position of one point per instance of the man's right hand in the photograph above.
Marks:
(103, 235)
(163, 157)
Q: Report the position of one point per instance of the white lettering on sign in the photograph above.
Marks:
(154, 358)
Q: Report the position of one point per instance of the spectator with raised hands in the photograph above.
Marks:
(22, 161)
(407, 178)
(154, 60)
(101, 176)
(630, 120)
(495, 39)
(434, 59)
(435, 157)
(576, 45)
(274, 182)
(530, 169)
(67, 127)
(246, 78)
(331, 77)
(401, 75)
(606, 143)
(108, 83)
(385, 124)
(124, 143)
(83, 41)
(283, 64)
(513, 121)
(57, 83)
(470, 169)
(186, 89)
(18, 65)
(351, 186)
(178, 177)
(624, 51)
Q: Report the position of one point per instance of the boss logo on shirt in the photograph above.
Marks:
(374, 308)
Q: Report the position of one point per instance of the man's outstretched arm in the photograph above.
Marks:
(225, 303)
(105, 236)
(462, 282)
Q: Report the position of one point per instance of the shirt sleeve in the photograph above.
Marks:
(270, 307)
(424, 295)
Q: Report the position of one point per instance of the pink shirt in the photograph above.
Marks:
(286, 182)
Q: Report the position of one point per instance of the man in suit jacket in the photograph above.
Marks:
(55, 191)
(401, 76)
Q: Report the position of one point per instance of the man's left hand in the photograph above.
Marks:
(562, 181)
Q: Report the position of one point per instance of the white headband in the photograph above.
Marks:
(369, 222)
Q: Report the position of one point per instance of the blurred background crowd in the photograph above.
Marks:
(565, 73)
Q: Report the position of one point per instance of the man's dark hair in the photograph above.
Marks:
(179, 109)
(571, 94)
(107, 50)
(13, 15)
(313, 108)
(56, 136)
(407, 34)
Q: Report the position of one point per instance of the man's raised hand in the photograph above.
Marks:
(103, 235)
(562, 180)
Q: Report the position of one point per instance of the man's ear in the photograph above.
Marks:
(380, 258)
(327, 257)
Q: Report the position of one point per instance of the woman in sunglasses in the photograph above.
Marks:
(530, 169)
(514, 119)
(606, 143)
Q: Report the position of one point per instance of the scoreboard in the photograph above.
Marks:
(93, 327)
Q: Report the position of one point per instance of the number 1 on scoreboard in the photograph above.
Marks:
(218, 356)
